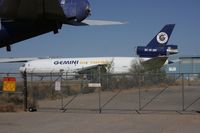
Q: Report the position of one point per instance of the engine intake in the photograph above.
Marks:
(76, 9)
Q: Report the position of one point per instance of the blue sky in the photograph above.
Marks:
(145, 18)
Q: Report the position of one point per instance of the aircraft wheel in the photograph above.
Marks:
(31, 109)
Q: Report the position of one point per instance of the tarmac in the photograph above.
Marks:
(162, 117)
(56, 122)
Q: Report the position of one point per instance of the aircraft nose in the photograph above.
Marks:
(22, 69)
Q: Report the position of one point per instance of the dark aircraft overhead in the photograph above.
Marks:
(24, 19)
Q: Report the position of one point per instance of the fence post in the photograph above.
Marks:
(25, 91)
(139, 93)
(183, 94)
(99, 80)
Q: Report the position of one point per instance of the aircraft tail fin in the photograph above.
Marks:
(162, 37)
(158, 45)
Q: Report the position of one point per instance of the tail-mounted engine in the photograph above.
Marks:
(143, 51)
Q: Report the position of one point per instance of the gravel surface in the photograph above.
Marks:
(51, 122)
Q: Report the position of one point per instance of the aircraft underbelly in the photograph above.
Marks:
(13, 32)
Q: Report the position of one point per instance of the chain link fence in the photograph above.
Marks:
(118, 92)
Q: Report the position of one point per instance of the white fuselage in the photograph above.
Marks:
(73, 65)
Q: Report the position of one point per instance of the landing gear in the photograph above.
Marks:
(55, 31)
(8, 48)
(32, 109)
(57, 26)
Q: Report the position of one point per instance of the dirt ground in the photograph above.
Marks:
(55, 122)
(50, 119)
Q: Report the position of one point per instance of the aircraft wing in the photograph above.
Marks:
(17, 60)
(90, 68)
(154, 63)
(88, 22)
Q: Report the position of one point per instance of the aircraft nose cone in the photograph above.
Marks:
(21, 69)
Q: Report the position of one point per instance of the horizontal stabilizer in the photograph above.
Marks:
(154, 63)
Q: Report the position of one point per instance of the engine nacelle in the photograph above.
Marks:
(76, 9)
(143, 51)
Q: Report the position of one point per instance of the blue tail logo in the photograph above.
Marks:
(162, 37)
(158, 45)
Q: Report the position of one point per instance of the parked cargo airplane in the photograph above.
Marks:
(24, 19)
(154, 54)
